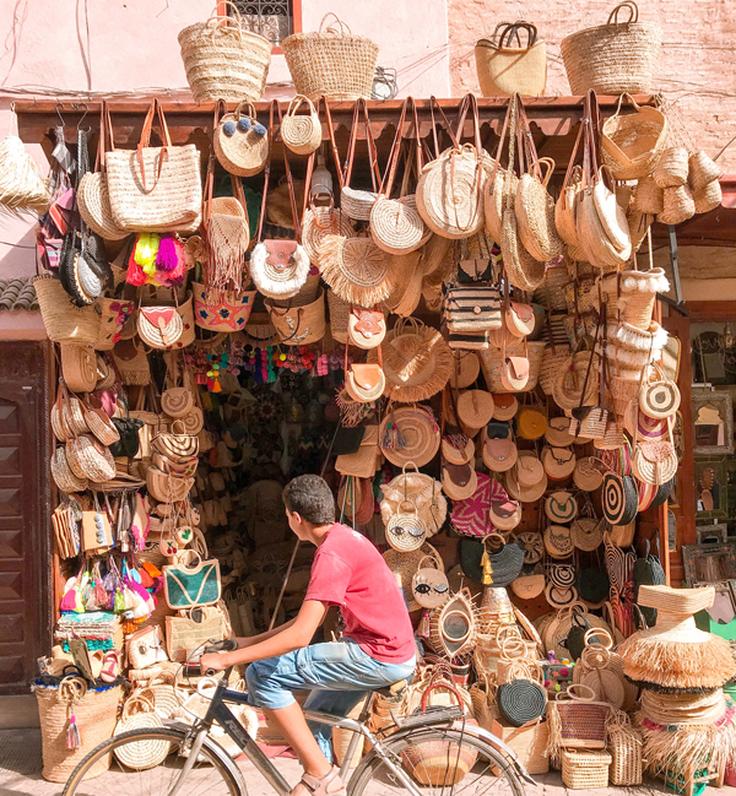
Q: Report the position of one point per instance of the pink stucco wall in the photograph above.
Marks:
(696, 66)
(132, 46)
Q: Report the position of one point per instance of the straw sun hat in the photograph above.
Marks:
(416, 360)
(675, 654)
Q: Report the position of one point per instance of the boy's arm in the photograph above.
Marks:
(249, 641)
(292, 636)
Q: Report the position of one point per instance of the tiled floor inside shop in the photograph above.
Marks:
(20, 765)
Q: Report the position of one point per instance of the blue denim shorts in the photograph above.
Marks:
(332, 666)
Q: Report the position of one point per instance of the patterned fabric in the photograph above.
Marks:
(470, 517)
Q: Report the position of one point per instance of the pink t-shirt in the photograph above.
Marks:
(348, 571)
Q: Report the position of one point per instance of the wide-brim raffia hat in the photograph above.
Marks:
(416, 360)
(356, 269)
(409, 435)
(675, 653)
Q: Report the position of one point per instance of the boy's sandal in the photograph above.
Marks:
(320, 786)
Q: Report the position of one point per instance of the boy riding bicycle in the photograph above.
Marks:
(377, 647)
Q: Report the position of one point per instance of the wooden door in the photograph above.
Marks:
(25, 563)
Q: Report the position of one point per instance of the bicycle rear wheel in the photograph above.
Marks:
(439, 761)
(147, 762)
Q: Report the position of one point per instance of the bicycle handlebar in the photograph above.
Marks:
(193, 669)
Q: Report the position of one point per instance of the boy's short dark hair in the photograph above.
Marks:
(311, 497)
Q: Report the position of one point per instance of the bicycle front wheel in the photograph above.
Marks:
(441, 761)
(148, 762)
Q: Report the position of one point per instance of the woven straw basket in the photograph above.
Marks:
(331, 62)
(95, 713)
(585, 770)
(632, 143)
(613, 58)
(63, 321)
(672, 168)
(224, 60)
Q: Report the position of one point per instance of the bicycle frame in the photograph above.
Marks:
(219, 712)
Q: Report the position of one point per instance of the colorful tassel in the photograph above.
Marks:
(167, 256)
(73, 738)
(485, 563)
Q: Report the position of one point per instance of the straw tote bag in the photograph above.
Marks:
(279, 268)
(93, 201)
(396, 226)
(450, 188)
(155, 188)
(504, 69)
(300, 325)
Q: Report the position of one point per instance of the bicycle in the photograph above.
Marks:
(408, 759)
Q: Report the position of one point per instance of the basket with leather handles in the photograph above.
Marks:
(440, 763)
(506, 66)
(176, 444)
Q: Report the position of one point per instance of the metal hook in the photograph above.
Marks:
(84, 116)
(59, 108)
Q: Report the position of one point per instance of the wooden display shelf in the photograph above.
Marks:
(553, 119)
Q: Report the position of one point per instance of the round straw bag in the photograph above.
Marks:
(331, 62)
(429, 584)
(64, 478)
(422, 490)
(672, 167)
(613, 58)
(78, 367)
(632, 144)
(94, 712)
(405, 530)
(301, 133)
(318, 222)
(88, 458)
(139, 713)
(63, 321)
(241, 142)
(520, 701)
(224, 60)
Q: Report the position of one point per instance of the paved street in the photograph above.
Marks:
(20, 765)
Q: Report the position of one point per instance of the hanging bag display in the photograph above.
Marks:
(279, 268)
(366, 328)
(155, 188)
(299, 325)
(505, 66)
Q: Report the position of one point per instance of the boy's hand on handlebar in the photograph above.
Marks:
(214, 661)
